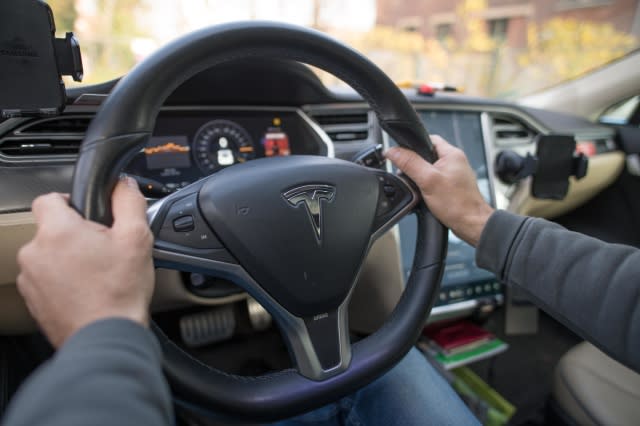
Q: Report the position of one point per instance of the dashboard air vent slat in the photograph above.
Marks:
(56, 126)
(511, 133)
(23, 147)
(348, 118)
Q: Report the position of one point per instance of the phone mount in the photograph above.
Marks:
(33, 61)
(552, 166)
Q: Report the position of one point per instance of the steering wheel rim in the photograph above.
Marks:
(126, 120)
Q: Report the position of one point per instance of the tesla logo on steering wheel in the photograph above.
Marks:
(312, 196)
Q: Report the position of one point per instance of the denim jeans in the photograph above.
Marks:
(412, 393)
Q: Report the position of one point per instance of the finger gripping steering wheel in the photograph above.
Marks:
(292, 231)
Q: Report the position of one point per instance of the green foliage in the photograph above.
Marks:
(570, 47)
(106, 30)
(65, 14)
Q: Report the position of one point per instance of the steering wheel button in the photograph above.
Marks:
(184, 224)
(203, 239)
(383, 206)
(390, 190)
(198, 238)
(186, 206)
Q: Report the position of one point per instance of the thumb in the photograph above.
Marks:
(411, 164)
(128, 205)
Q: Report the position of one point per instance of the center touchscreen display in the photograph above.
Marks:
(463, 129)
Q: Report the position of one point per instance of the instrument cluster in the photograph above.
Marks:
(188, 145)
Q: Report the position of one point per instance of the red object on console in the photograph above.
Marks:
(458, 334)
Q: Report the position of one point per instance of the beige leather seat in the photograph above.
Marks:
(592, 389)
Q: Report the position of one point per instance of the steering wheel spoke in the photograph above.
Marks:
(182, 238)
(319, 344)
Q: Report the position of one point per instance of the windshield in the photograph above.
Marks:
(499, 48)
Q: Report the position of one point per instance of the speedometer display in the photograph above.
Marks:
(222, 143)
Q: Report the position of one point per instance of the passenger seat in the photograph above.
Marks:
(589, 388)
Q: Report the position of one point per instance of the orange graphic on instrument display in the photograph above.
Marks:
(166, 148)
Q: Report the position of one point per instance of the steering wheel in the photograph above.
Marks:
(292, 231)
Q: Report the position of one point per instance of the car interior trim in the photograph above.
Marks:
(331, 152)
(489, 153)
(16, 230)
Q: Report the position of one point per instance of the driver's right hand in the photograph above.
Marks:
(448, 186)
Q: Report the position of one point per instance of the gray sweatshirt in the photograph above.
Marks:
(590, 286)
(109, 373)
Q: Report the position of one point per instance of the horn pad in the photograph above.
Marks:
(300, 225)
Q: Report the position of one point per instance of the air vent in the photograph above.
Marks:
(509, 132)
(330, 119)
(350, 130)
(347, 126)
(61, 125)
(29, 147)
(53, 139)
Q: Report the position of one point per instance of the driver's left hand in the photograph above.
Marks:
(75, 271)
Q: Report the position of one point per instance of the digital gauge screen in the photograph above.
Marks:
(163, 152)
(188, 145)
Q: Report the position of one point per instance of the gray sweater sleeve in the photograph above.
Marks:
(591, 286)
(108, 373)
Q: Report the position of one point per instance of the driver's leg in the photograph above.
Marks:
(412, 393)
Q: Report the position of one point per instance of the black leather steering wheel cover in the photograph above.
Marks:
(126, 120)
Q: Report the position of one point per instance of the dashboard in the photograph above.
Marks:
(225, 116)
(189, 144)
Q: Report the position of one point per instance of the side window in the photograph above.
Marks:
(621, 112)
